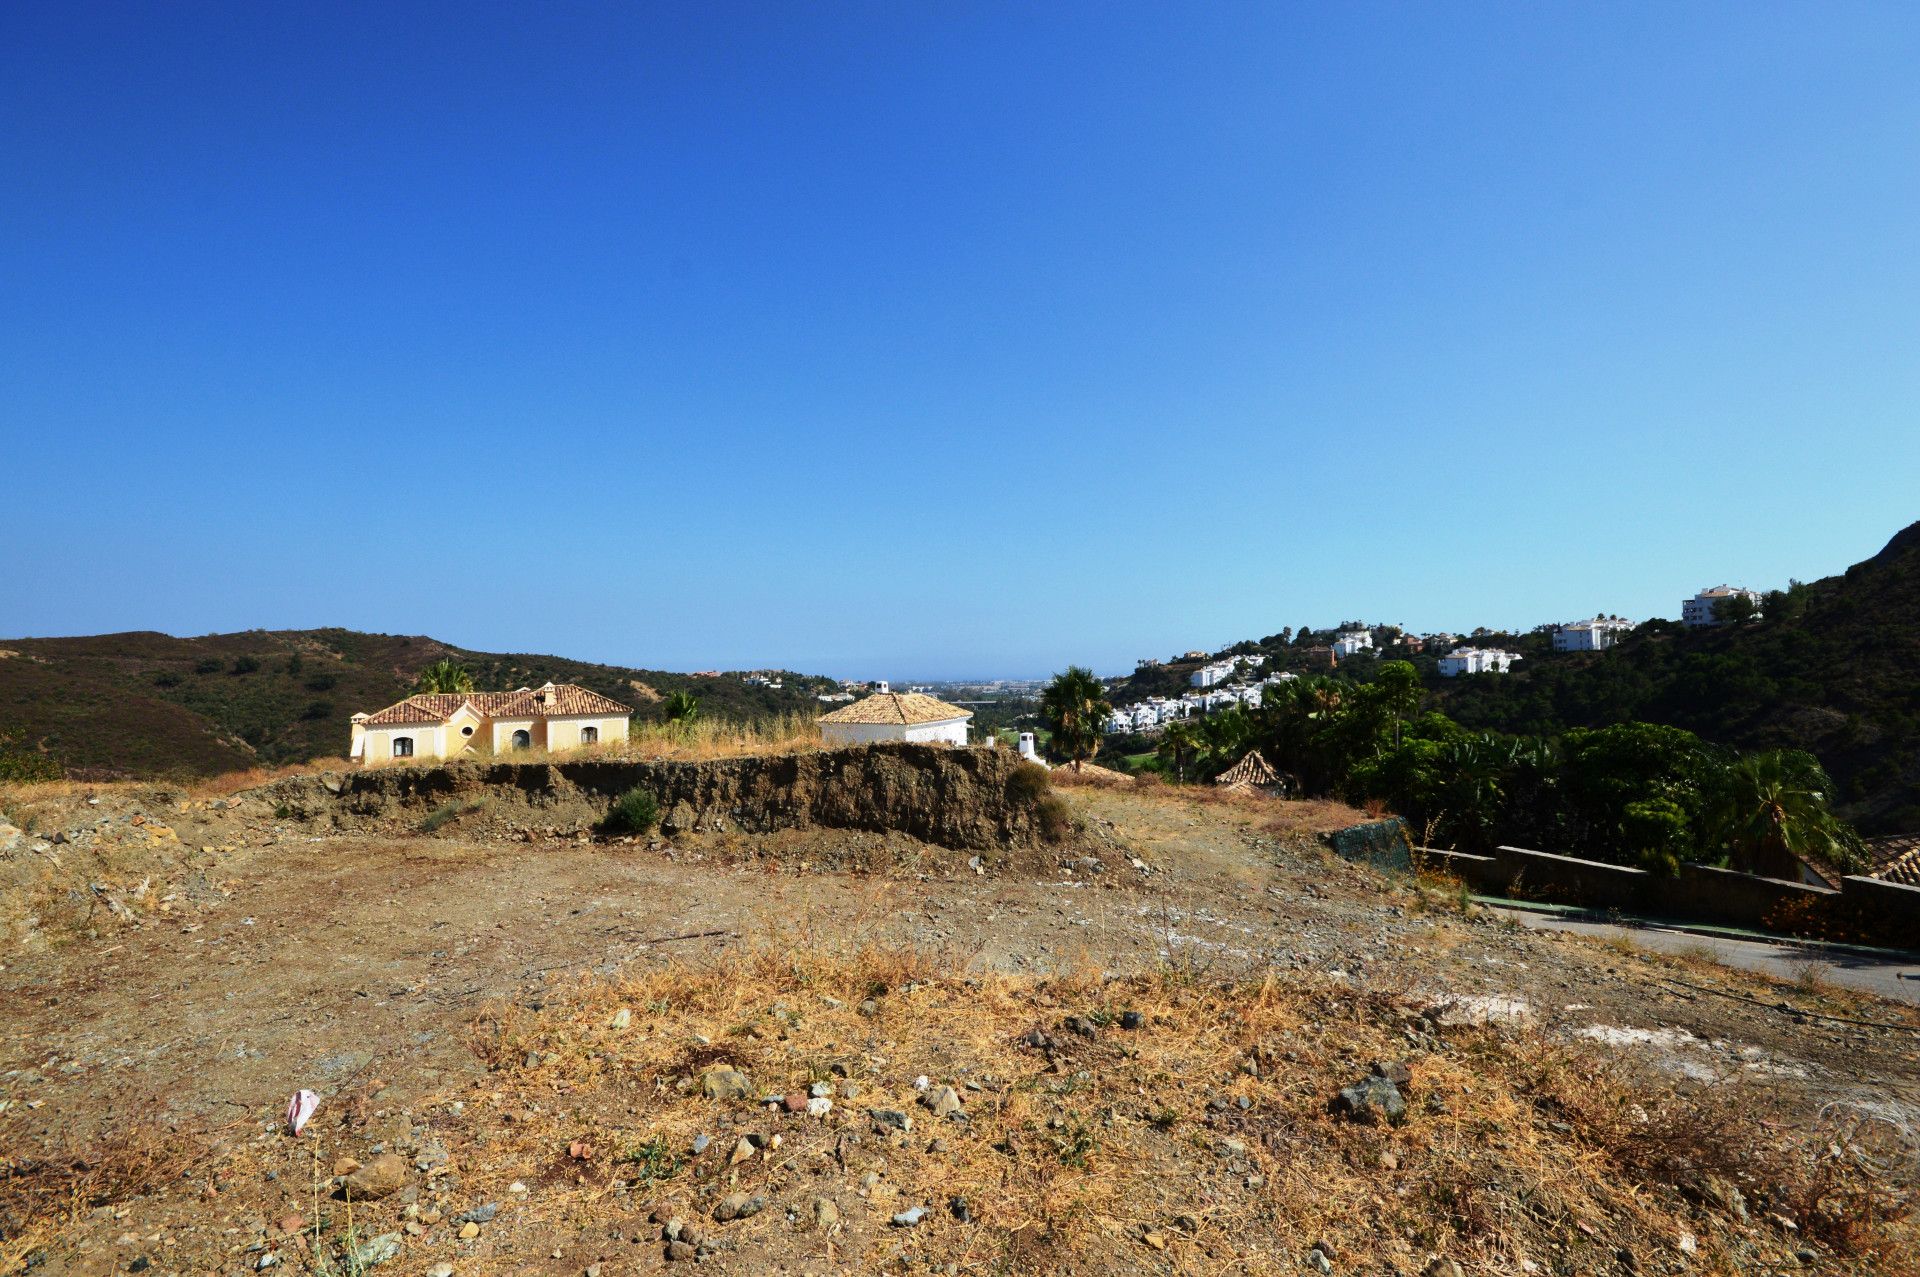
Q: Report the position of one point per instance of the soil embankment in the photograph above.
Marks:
(961, 799)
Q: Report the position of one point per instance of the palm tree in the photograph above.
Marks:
(1772, 810)
(683, 708)
(1074, 707)
(1179, 745)
(444, 675)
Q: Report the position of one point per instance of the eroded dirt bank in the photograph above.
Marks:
(955, 798)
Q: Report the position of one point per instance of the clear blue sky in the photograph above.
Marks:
(922, 340)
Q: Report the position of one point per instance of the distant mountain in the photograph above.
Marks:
(146, 704)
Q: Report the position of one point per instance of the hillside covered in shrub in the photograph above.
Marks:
(149, 704)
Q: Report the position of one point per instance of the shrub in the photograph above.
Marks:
(449, 812)
(317, 710)
(166, 678)
(208, 665)
(245, 665)
(1056, 818)
(634, 812)
(321, 683)
(1028, 783)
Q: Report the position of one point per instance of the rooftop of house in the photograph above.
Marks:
(897, 709)
(550, 700)
(1895, 859)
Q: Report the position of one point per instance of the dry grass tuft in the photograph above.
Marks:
(39, 1197)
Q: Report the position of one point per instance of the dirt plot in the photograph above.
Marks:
(446, 997)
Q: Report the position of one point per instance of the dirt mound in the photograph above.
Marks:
(954, 798)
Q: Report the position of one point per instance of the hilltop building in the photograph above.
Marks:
(1476, 660)
(1597, 635)
(888, 716)
(1701, 608)
(1348, 642)
(553, 717)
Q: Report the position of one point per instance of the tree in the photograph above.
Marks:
(1179, 746)
(1074, 707)
(1771, 808)
(444, 675)
(683, 707)
(1735, 609)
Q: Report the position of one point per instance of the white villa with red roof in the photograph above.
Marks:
(553, 717)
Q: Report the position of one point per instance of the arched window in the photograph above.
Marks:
(403, 747)
(589, 735)
(522, 738)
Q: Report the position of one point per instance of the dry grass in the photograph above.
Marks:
(1107, 1154)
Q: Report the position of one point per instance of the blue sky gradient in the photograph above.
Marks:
(922, 341)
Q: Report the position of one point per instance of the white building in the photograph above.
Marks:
(1699, 610)
(1347, 642)
(1476, 660)
(887, 716)
(1597, 635)
(1212, 672)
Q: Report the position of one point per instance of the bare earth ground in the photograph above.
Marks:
(360, 969)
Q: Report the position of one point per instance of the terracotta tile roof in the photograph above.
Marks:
(1895, 859)
(897, 709)
(438, 707)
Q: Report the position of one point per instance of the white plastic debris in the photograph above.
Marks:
(922, 1082)
(300, 1110)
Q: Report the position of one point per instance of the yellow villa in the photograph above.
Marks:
(554, 717)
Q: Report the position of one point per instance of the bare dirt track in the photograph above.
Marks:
(359, 968)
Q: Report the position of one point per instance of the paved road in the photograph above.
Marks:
(1895, 978)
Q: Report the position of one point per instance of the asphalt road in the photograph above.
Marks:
(1894, 977)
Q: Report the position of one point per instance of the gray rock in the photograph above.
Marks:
(909, 1218)
(942, 1100)
(890, 1120)
(1318, 1261)
(739, 1206)
(376, 1250)
(1372, 1100)
(478, 1215)
(725, 1084)
(826, 1215)
(700, 1143)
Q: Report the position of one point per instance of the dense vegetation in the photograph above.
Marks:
(1633, 792)
(145, 704)
(1828, 667)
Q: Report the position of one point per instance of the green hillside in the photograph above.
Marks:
(147, 704)
(1833, 667)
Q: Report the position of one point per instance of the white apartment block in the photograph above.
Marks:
(1597, 635)
(1698, 610)
(1213, 672)
(1350, 641)
(1476, 660)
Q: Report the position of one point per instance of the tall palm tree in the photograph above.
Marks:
(683, 707)
(1074, 708)
(1179, 746)
(1772, 809)
(444, 675)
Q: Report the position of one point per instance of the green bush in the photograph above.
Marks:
(1028, 783)
(1056, 818)
(634, 812)
(207, 665)
(245, 665)
(166, 678)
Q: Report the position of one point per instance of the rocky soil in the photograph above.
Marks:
(448, 996)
